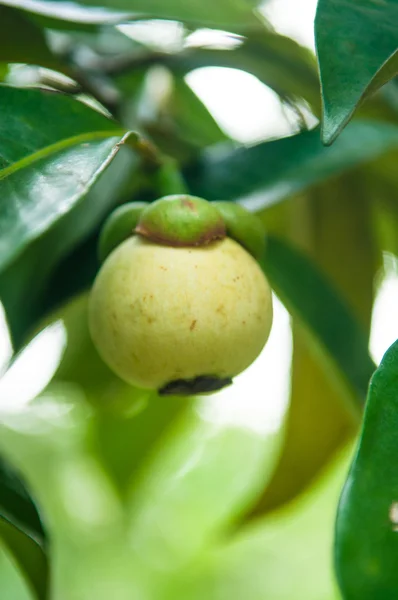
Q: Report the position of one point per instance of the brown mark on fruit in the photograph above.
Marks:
(220, 309)
(186, 202)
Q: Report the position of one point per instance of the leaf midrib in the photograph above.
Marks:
(64, 144)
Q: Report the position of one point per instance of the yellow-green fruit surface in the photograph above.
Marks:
(159, 314)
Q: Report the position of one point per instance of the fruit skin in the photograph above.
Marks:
(158, 314)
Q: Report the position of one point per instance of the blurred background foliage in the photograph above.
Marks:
(231, 496)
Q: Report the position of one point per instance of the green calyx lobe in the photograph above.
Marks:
(181, 221)
(243, 227)
(118, 227)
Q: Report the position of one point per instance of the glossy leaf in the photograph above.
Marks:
(357, 52)
(22, 41)
(48, 169)
(366, 535)
(237, 14)
(31, 272)
(282, 556)
(52, 149)
(271, 171)
(313, 301)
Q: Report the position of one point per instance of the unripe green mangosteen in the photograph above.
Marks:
(180, 315)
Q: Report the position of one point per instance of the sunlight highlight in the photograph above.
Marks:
(385, 315)
(246, 109)
(33, 369)
(5, 341)
(293, 18)
(167, 36)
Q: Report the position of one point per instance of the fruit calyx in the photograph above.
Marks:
(181, 221)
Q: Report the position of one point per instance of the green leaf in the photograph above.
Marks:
(50, 164)
(312, 300)
(30, 274)
(366, 544)
(271, 171)
(284, 556)
(227, 14)
(22, 41)
(357, 52)
(52, 149)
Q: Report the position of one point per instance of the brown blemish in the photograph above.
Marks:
(187, 203)
(221, 309)
(163, 268)
(193, 325)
